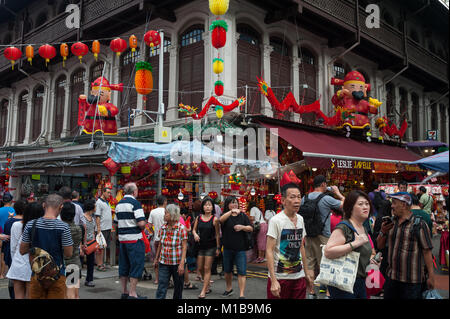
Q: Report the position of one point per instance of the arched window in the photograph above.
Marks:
(249, 66)
(77, 85)
(387, 17)
(152, 98)
(192, 67)
(96, 71)
(415, 116)
(3, 121)
(38, 102)
(22, 116)
(60, 89)
(390, 99)
(41, 19)
(308, 77)
(128, 98)
(280, 70)
(443, 128)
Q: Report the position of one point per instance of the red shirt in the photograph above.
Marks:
(172, 243)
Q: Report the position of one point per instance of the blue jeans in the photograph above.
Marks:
(359, 291)
(131, 259)
(165, 272)
(233, 257)
(394, 289)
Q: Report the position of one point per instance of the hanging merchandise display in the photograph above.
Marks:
(29, 52)
(152, 39)
(118, 46)
(79, 49)
(96, 48)
(13, 54)
(189, 110)
(290, 178)
(132, 41)
(7, 169)
(112, 166)
(64, 51)
(143, 79)
(218, 30)
(47, 52)
(219, 7)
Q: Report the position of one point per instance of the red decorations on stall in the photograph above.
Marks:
(118, 45)
(213, 195)
(165, 191)
(204, 168)
(289, 178)
(79, 49)
(243, 204)
(218, 30)
(8, 164)
(277, 198)
(112, 166)
(13, 54)
(47, 52)
(222, 169)
(152, 39)
(288, 103)
(212, 101)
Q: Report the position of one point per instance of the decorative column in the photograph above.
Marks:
(296, 80)
(65, 129)
(45, 110)
(29, 125)
(51, 116)
(172, 108)
(267, 49)
(208, 77)
(13, 127)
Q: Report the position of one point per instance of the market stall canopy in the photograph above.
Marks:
(438, 162)
(318, 146)
(177, 151)
(428, 143)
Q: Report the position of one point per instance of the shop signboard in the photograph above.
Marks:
(432, 134)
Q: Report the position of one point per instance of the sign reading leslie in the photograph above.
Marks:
(348, 164)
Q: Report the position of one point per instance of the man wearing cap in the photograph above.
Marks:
(409, 251)
(95, 113)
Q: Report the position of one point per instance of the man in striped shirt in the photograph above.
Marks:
(409, 244)
(130, 220)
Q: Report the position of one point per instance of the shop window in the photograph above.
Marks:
(249, 66)
(38, 102)
(3, 121)
(340, 69)
(77, 85)
(128, 97)
(403, 104)
(60, 89)
(22, 116)
(155, 52)
(280, 46)
(191, 68)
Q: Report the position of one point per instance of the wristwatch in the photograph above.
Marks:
(382, 234)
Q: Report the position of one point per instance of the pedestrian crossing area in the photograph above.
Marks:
(256, 274)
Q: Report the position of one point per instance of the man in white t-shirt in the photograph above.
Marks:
(285, 252)
(156, 220)
(103, 219)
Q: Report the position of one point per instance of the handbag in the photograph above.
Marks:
(146, 242)
(101, 241)
(92, 246)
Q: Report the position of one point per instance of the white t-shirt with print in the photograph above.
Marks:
(288, 263)
(257, 214)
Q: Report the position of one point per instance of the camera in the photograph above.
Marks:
(329, 189)
(387, 219)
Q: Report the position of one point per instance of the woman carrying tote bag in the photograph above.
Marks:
(350, 235)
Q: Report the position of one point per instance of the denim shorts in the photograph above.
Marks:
(235, 257)
(131, 259)
(210, 252)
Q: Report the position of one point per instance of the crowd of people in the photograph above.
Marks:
(293, 242)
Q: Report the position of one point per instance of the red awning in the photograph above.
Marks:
(321, 145)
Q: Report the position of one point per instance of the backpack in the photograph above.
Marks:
(311, 216)
(42, 263)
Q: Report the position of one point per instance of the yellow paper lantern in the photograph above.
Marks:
(218, 66)
(219, 7)
(219, 112)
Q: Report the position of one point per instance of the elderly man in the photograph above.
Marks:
(409, 243)
(130, 220)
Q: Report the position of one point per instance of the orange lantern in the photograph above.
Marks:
(47, 52)
(64, 51)
(13, 54)
(143, 79)
(29, 52)
(133, 43)
(79, 49)
(96, 48)
(118, 45)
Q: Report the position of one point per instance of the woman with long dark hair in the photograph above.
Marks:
(20, 271)
(207, 234)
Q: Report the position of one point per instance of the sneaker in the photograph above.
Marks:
(322, 289)
(227, 293)
(124, 296)
(138, 297)
(89, 284)
(242, 297)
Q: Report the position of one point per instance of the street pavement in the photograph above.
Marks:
(107, 284)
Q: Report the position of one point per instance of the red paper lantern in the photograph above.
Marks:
(218, 88)
(152, 39)
(79, 49)
(219, 33)
(47, 52)
(13, 54)
(112, 166)
(118, 45)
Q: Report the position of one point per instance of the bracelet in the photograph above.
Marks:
(351, 246)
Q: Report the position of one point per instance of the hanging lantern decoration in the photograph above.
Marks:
(213, 195)
(64, 51)
(219, 30)
(243, 204)
(153, 39)
(29, 52)
(13, 54)
(47, 52)
(79, 49)
(219, 7)
(218, 88)
(112, 166)
(143, 79)
(133, 43)
(219, 111)
(118, 45)
(96, 48)
(218, 66)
